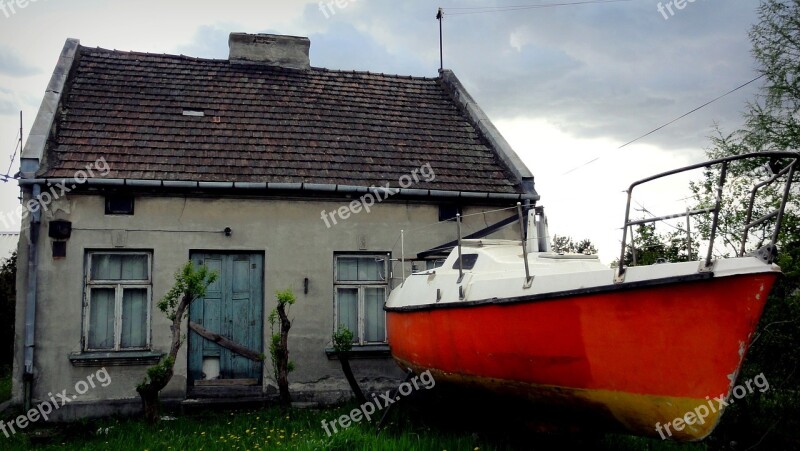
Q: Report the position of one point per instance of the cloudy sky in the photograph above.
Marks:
(564, 84)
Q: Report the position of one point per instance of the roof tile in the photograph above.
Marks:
(265, 124)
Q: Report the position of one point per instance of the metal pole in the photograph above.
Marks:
(403, 254)
(439, 16)
(688, 236)
(715, 218)
(460, 260)
(524, 247)
(785, 198)
(621, 267)
(30, 298)
(390, 269)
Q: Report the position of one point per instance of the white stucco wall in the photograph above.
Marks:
(290, 233)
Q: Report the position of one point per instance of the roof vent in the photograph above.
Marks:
(269, 49)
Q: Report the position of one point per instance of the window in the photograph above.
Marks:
(119, 204)
(59, 249)
(360, 289)
(449, 212)
(117, 301)
(433, 264)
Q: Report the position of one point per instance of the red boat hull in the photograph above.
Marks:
(639, 356)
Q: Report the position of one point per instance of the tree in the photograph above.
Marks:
(741, 177)
(650, 246)
(190, 284)
(342, 344)
(773, 120)
(279, 344)
(774, 348)
(566, 244)
(8, 303)
(771, 123)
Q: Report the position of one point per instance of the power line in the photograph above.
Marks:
(670, 122)
(7, 176)
(690, 112)
(645, 210)
(462, 11)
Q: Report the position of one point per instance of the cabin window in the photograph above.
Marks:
(117, 301)
(469, 261)
(360, 290)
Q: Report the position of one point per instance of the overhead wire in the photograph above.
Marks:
(670, 122)
(426, 226)
(467, 10)
(645, 210)
(692, 111)
(7, 176)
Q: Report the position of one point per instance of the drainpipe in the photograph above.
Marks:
(31, 159)
(30, 299)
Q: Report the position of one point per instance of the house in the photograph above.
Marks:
(270, 171)
(8, 243)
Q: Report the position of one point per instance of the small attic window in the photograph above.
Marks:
(119, 204)
(449, 212)
(195, 113)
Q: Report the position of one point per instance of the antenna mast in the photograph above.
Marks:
(7, 176)
(439, 16)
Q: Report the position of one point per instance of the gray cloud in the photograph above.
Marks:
(613, 70)
(344, 47)
(210, 41)
(605, 70)
(631, 70)
(7, 107)
(12, 64)
(9, 103)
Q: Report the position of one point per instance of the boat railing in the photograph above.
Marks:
(523, 240)
(723, 164)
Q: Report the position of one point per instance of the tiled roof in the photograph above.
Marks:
(264, 124)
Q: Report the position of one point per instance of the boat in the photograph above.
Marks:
(638, 346)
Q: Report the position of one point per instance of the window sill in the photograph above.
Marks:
(363, 352)
(118, 358)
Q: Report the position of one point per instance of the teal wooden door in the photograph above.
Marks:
(233, 307)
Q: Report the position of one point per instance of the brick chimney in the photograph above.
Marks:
(269, 49)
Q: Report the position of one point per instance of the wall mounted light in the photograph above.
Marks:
(228, 231)
(59, 230)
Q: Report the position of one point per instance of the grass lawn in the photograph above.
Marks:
(429, 421)
(299, 429)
